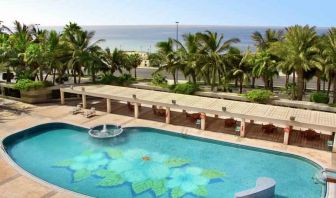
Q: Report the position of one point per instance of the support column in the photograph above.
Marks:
(136, 110)
(287, 131)
(84, 101)
(167, 115)
(108, 105)
(242, 127)
(334, 144)
(203, 118)
(62, 98)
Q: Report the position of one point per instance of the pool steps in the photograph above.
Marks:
(265, 188)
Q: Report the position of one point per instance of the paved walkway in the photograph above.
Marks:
(15, 183)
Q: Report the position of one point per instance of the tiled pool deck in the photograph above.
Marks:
(16, 183)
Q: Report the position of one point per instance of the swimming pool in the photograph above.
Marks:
(148, 162)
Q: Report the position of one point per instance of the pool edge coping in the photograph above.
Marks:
(59, 189)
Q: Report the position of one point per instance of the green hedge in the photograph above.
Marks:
(259, 96)
(319, 97)
(184, 88)
(158, 79)
(27, 84)
(123, 80)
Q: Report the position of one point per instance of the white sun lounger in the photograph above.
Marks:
(76, 110)
(90, 113)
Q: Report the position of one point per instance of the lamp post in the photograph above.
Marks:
(177, 37)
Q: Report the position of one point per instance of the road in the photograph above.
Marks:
(146, 72)
(278, 81)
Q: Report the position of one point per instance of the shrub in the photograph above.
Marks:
(184, 88)
(259, 95)
(27, 84)
(158, 79)
(123, 80)
(319, 97)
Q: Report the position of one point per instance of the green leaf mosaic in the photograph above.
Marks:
(142, 171)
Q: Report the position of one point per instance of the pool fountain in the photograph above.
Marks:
(105, 131)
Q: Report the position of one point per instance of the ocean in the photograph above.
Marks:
(144, 38)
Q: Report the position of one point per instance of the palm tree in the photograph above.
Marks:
(264, 66)
(329, 52)
(114, 61)
(133, 61)
(240, 66)
(81, 45)
(264, 42)
(212, 50)
(189, 53)
(298, 51)
(169, 58)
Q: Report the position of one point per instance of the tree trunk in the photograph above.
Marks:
(93, 76)
(135, 72)
(54, 77)
(324, 83)
(294, 78)
(8, 79)
(334, 96)
(271, 85)
(193, 77)
(266, 83)
(41, 75)
(174, 77)
(300, 84)
(287, 80)
(75, 76)
(253, 82)
(329, 85)
(241, 85)
(318, 82)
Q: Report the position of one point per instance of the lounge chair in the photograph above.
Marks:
(131, 106)
(230, 122)
(90, 113)
(76, 110)
(193, 116)
(310, 134)
(158, 111)
(268, 128)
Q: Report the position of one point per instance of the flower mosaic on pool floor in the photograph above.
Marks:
(143, 171)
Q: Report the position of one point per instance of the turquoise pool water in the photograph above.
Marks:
(147, 162)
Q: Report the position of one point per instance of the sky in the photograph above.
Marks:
(166, 12)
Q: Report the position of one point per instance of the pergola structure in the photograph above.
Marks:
(280, 116)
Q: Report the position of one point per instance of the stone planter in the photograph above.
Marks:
(36, 96)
